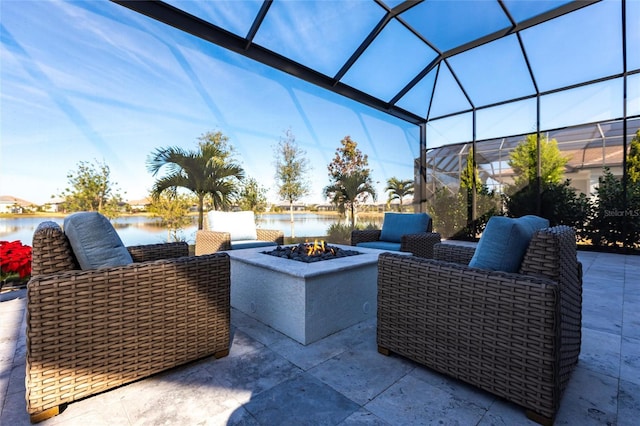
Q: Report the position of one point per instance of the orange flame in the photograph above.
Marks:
(315, 248)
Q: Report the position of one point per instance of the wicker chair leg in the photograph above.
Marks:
(221, 354)
(47, 414)
(384, 351)
(539, 418)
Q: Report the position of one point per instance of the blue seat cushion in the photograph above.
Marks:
(504, 242)
(245, 244)
(94, 241)
(395, 225)
(380, 245)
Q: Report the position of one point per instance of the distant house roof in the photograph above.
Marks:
(140, 202)
(11, 200)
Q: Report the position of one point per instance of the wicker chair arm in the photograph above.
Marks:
(453, 318)
(270, 235)
(364, 236)
(51, 250)
(149, 252)
(453, 253)
(421, 244)
(103, 328)
(208, 242)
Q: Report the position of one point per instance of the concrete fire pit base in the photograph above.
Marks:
(305, 301)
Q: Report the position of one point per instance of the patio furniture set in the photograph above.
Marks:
(504, 317)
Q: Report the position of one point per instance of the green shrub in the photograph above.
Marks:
(613, 223)
(450, 211)
(339, 233)
(559, 203)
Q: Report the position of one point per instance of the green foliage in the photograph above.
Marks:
(613, 223)
(253, 196)
(208, 171)
(633, 159)
(91, 189)
(524, 162)
(348, 159)
(560, 204)
(173, 210)
(350, 178)
(339, 233)
(292, 169)
(469, 173)
(449, 212)
(398, 189)
(348, 189)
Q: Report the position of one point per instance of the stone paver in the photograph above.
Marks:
(270, 379)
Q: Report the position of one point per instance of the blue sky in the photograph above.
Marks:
(78, 84)
(91, 80)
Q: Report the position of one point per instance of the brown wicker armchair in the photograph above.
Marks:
(516, 335)
(230, 232)
(92, 330)
(418, 243)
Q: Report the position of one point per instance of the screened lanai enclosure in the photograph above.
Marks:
(448, 93)
(479, 78)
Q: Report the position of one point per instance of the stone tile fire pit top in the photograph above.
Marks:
(302, 269)
(311, 252)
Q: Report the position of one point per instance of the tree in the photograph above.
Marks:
(253, 196)
(350, 180)
(613, 220)
(470, 181)
(469, 174)
(209, 170)
(347, 189)
(633, 159)
(91, 189)
(524, 162)
(173, 210)
(398, 189)
(292, 171)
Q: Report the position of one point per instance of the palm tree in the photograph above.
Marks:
(203, 172)
(398, 189)
(348, 189)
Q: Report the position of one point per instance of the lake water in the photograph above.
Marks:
(134, 230)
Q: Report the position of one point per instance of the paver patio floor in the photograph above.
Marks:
(270, 379)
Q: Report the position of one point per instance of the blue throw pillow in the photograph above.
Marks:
(395, 225)
(504, 242)
(534, 222)
(94, 241)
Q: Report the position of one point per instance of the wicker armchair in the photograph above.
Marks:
(419, 244)
(92, 330)
(215, 238)
(516, 335)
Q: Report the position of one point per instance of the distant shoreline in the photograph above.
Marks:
(61, 215)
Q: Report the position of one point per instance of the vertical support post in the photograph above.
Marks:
(422, 169)
(538, 161)
(627, 243)
(474, 189)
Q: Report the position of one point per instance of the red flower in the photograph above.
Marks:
(15, 258)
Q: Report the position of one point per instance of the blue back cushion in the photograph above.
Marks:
(94, 241)
(395, 225)
(504, 242)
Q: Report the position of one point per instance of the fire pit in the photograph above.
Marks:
(305, 301)
(311, 252)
